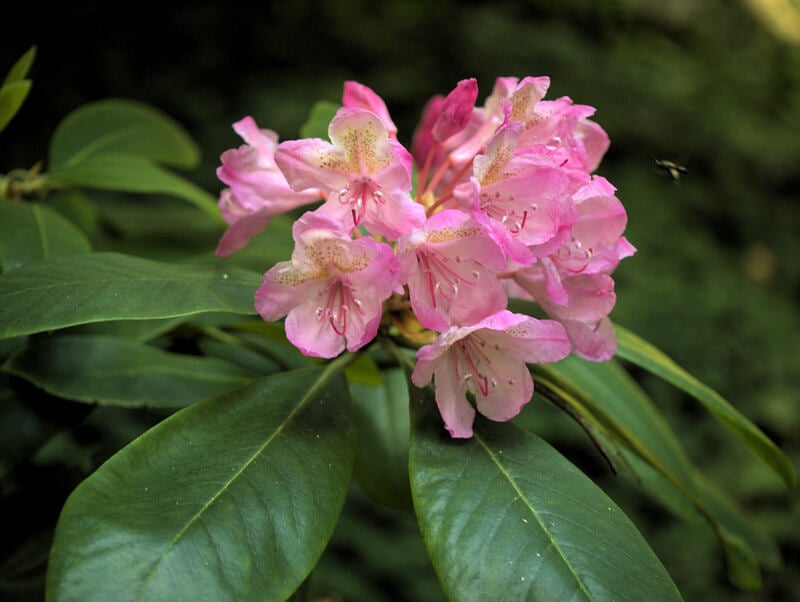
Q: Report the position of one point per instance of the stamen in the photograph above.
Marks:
(477, 361)
(340, 301)
(339, 321)
(471, 346)
(440, 278)
(358, 193)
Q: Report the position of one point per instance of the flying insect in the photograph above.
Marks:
(672, 169)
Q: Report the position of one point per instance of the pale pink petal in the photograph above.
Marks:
(263, 140)
(595, 342)
(457, 234)
(510, 389)
(553, 285)
(532, 341)
(449, 266)
(525, 96)
(362, 141)
(313, 337)
(254, 178)
(595, 142)
(241, 231)
(359, 96)
(475, 293)
(427, 359)
(282, 289)
(311, 163)
(490, 166)
(590, 297)
(362, 329)
(457, 413)
(405, 158)
(467, 196)
(398, 215)
(532, 206)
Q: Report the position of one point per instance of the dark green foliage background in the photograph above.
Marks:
(715, 283)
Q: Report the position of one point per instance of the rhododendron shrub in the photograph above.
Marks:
(365, 305)
(505, 205)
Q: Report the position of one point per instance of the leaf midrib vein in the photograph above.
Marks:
(534, 513)
(312, 390)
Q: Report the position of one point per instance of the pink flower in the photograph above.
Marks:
(596, 243)
(449, 267)
(366, 176)
(524, 194)
(562, 128)
(332, 289)
(258, 191)
(573, 284)
(587, 301)
(487, 359)
(505, 205)
(446, 149)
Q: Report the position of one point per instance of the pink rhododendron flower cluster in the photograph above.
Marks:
(505, 205)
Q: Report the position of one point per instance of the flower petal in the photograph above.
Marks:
(457, 413)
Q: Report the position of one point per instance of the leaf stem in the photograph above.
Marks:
(21, 183)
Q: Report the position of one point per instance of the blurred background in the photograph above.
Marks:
(712, 85)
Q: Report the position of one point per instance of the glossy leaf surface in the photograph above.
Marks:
(505, 516)
(115, 371)
(643, 354)
(121, 126)
(11, 98)
(380, 413)
(51, 294)
(603, 395)
(132, 173)
(30, 231)
(233, 498)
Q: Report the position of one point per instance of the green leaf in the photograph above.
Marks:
(364, 371)
(11, 98)
(504, 514)
(619, 405)
(15, 87)
(316, 126)
(251, 361)
(30, 231)
(119, 372)
(270, 339)
(381, 417)
(233, 498)
(605, 396)
(135, 330)
(643, 354)
(118, 126)
(21, 67)
(56, 293)
(131, 173)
